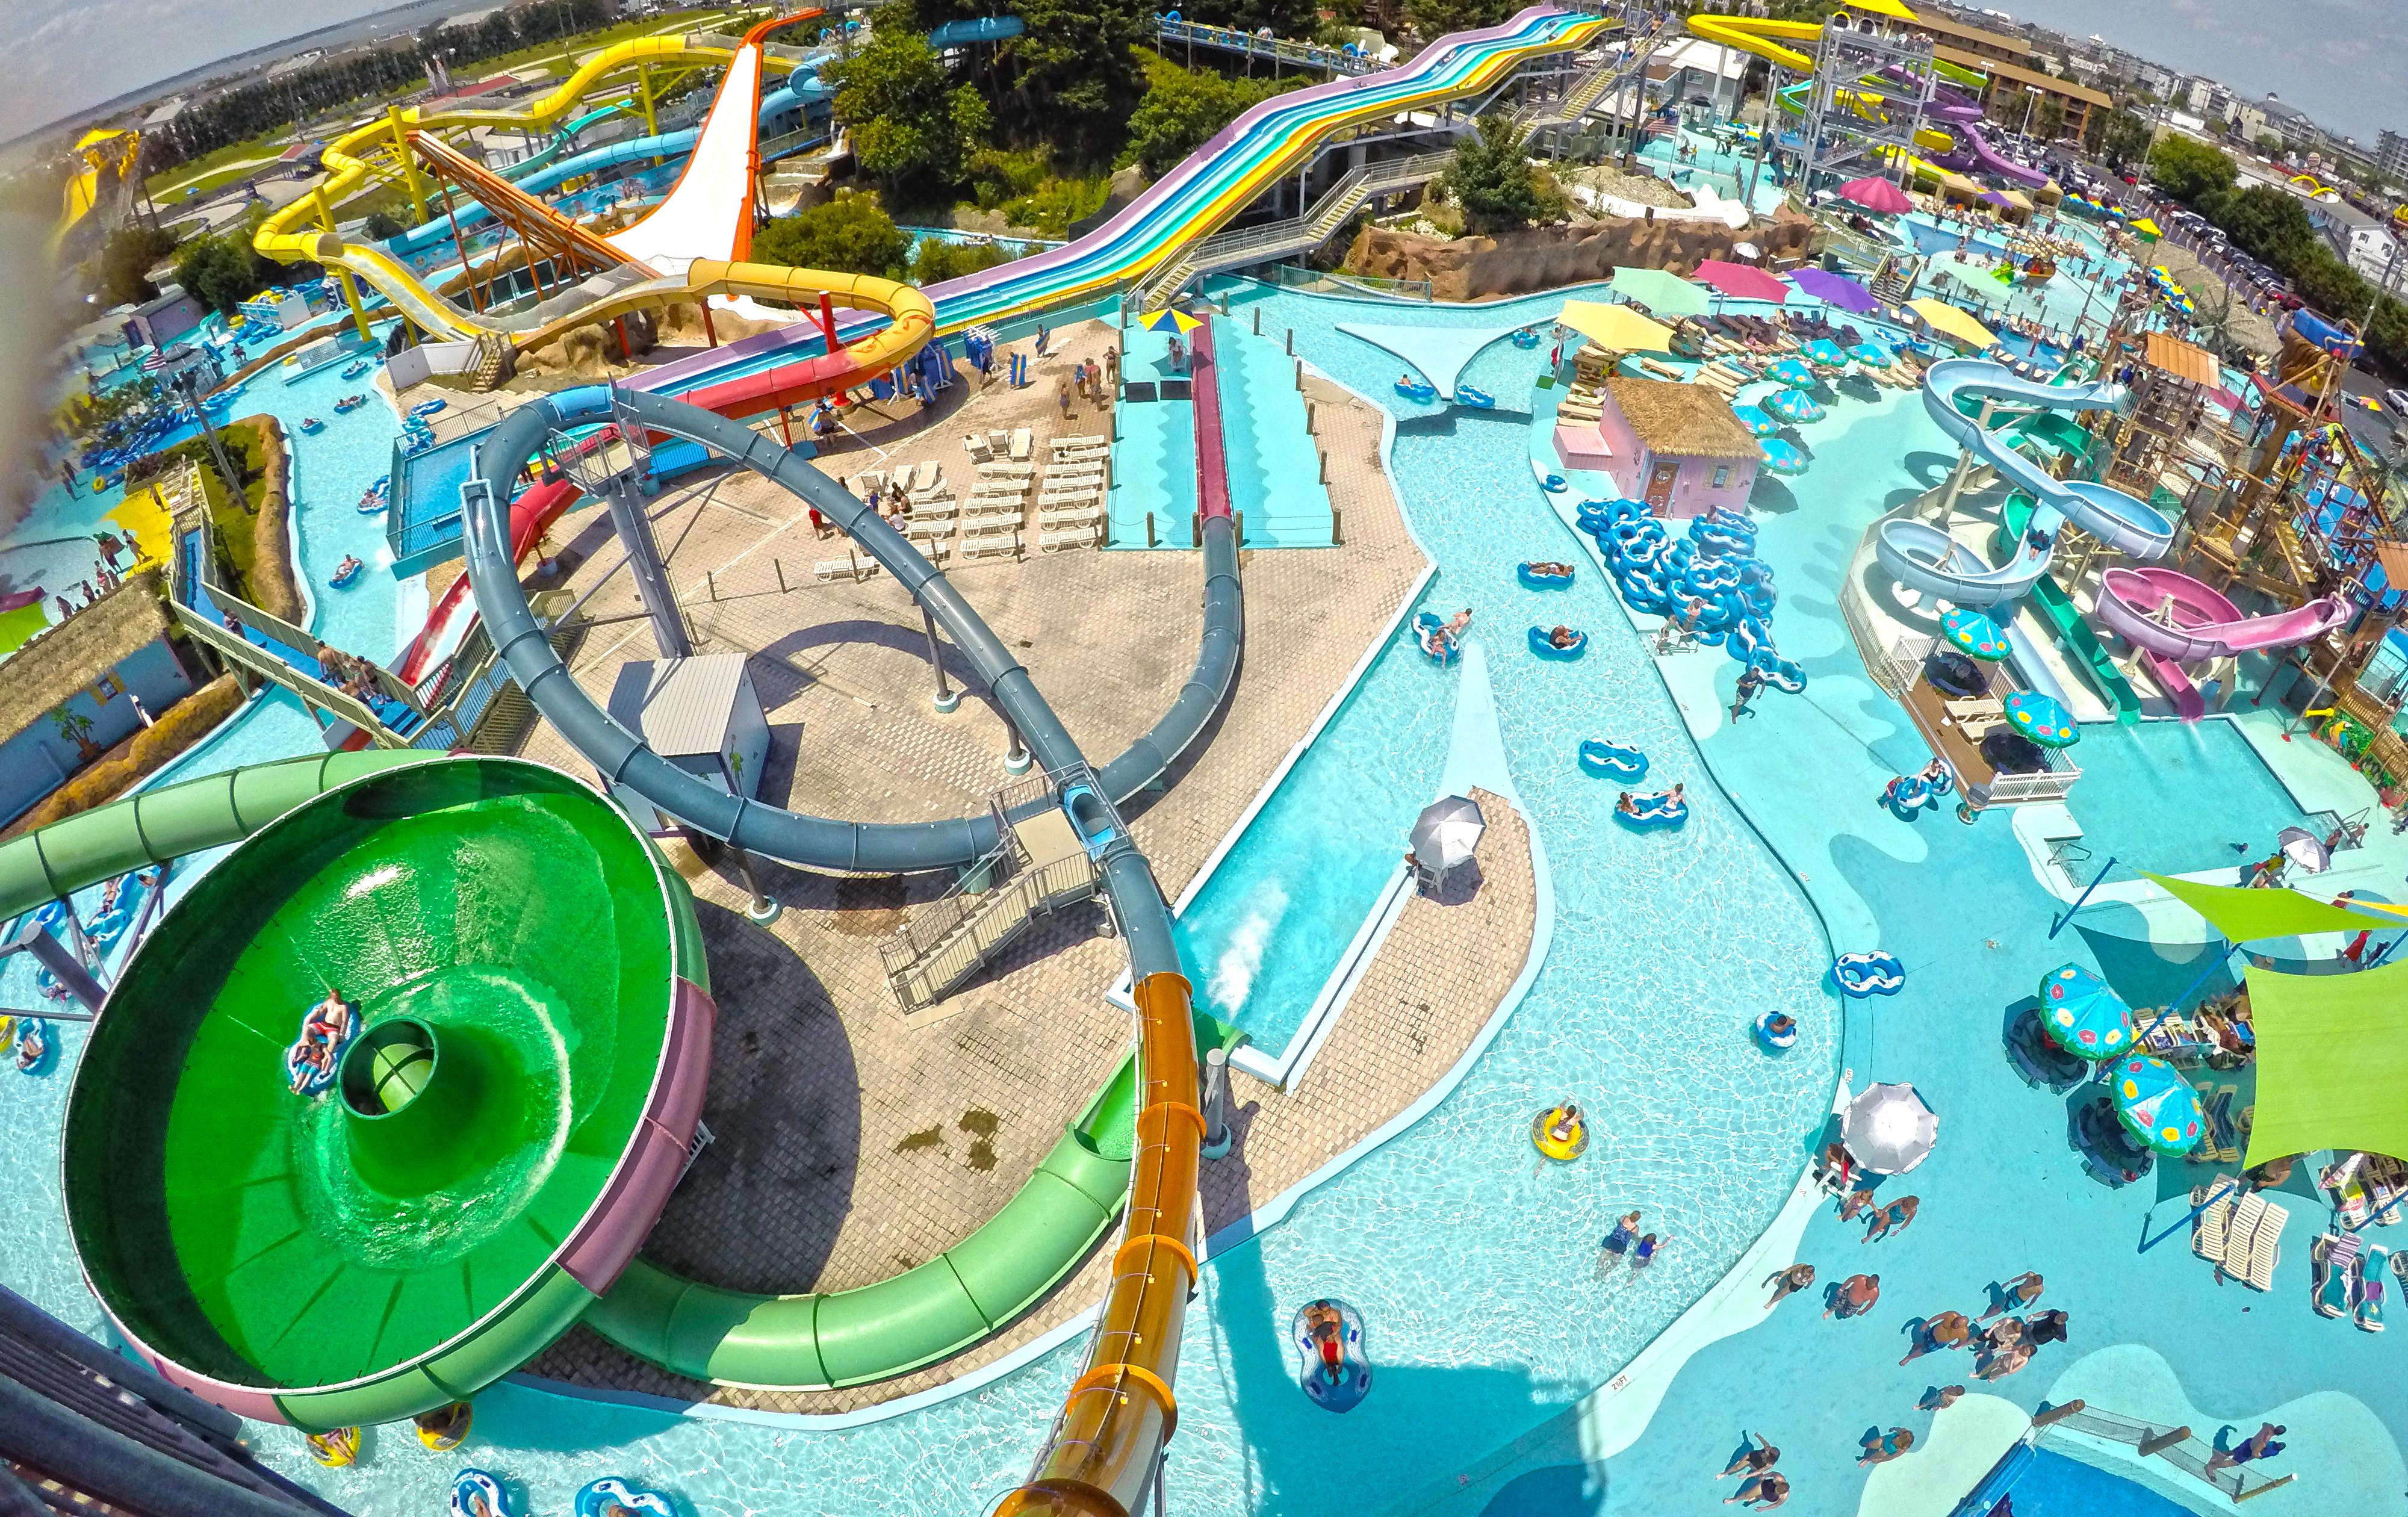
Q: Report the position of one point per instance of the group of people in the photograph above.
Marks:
(1626, 1242)
(351, 674)
(1627, 804)
(1761, 1487)
(1092, 380)
(1449, 635)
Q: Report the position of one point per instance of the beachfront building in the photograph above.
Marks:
(1676, 447)
(2016, 88)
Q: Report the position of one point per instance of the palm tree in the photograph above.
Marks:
(77, 727)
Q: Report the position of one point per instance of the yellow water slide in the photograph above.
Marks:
(96, 150)
(304, 230)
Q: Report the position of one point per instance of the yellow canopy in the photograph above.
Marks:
(1891, 8)
(2147, 228)
(1944, 317)
(1616, 328)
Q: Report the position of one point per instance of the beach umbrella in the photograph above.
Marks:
(1617, 329)
(1758, 423)
(1889, 1129)
(1746, 249)
(1791, 371)
(1742, 281)
(1782, 456)
(1666, 294)
(1794, 407)
(2157, 1106)
(1171, 319)
(1824, 353)
(2082, 1015)
(1992, 197)
(1976, 634)
(1836, 289)
(2304, 848)
(1447, 831)
(2040, 719)
(1878, 195)
(1873, 354)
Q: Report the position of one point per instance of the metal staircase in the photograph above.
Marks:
(1240, 247)
(1041, 866)
(1594, 83)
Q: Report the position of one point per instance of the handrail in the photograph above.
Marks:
(1281, 49)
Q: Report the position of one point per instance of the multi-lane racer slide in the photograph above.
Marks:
(2174, 620)
(1926, 559)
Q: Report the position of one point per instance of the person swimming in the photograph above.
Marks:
(1563, 637)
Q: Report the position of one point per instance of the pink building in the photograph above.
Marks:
(1677, 447)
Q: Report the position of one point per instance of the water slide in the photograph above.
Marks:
(2074, 633)
(100, 148)
(708, 212)
(1958, 114)
(2174, 620)
(1121, 1409)
(1926, 559)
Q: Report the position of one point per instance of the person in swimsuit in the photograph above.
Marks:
(1796, 1278)
(322, 1031)
(1756, 1455)
(1892, 1218)
(1615, 1244)
(1763, 1492)
(1887, 1447)
(1563, 637)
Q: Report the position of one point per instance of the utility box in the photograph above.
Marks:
(699, 714)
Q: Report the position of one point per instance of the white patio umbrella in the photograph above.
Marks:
(1446, 832)
(1889, 1129)
(2304, 848)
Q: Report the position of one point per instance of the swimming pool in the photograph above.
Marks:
(2198, 792)
(2051, 1485)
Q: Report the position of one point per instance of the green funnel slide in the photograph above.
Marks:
(483, 1151)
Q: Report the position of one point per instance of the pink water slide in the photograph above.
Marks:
(2175, 620)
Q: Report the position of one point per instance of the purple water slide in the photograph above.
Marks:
(2177, 617)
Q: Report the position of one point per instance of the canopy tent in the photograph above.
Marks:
(2244, 915)
(1618, 328)
(2333, 1058)
(1666, 294)
(1948, 321)
(1439, 353)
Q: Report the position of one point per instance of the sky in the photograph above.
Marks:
(2338, 59)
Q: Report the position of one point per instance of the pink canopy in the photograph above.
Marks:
(1876, 194)
(1741, 281)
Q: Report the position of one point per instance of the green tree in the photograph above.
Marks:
(1491, 179)
(1285, 18)
(1182, 110)
(1076, 75)
(121, 276)
(2048, 120)
(2189, 170)
(852, 232)
(935, 261)
(1436, 18)
(2268, 144)
(911, 129)
(221, 270)
(2124, 138)
(382, 224)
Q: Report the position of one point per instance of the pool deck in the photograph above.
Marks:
(850, 1145)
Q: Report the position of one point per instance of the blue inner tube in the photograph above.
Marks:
(1526, 339)
(1537, 580)
(1478, 400)
(1426, 626)
(1772, 1042)
(471, 1484)
(1613, 761)
(1661, 810)
(1416, 389)
(1339, 1387)
(427, 408)
(599, 1495)
(1540, 645)
(1871, 972)
(1553, 484)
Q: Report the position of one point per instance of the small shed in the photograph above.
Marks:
(1677, 447)
(701, 714)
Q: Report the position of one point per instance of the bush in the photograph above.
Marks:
(851, 234)
(122, 276)
(222, 270)
(1055, 204)
(2189, 170)
(382, 224)
(910, 131)
(935, 261)
(997, 176)
(1491, 179)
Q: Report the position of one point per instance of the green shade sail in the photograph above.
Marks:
(1662, 293)
(2244, 915)
(2332, 1061)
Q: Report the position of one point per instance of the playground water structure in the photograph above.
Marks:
(1926, 559)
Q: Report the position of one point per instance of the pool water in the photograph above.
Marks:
(1262, 937)
(2197, 791)
(2055, 1485)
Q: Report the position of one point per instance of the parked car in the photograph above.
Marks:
(2396, 402)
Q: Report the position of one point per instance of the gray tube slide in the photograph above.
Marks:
(813, 841)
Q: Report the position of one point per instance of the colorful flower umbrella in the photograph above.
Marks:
(1836, 289)
(1171, 319)
(1758, 423)
(1782, 456)
(1794, 406)
(2157, 1106)
(1889, 1129)
(1824, 353)
(2082, 1015)
(1790, 371)
(2040, 719)
(1878, 195)
(1976, 634)
(1873, 354)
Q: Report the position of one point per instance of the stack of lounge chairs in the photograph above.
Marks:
(2349, 1279)
(2241, 1234)
(1071, 508)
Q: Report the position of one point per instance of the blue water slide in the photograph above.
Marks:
(1928, 560)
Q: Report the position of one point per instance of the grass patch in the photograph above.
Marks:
(220, 167)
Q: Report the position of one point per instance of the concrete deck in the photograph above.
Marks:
(849, 1147)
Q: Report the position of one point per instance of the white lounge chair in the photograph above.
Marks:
(1006, 471)
(868, 481)
(1022, 441)
(992, 545)
(1074, 517)
(927, 476)
(978, 447)
(1066, 445)
(1055, 542)
(2210, 1231)
(828, 570)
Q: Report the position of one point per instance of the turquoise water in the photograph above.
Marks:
(1274, 466)
(1153, 461)
(2055, 1485)
(2176, 797)
(1263, 936)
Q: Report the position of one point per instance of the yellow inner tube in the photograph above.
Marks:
(1563, 1149)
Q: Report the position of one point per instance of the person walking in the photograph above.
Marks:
(1750, 681)
(1062, 396)
(1793, 1280)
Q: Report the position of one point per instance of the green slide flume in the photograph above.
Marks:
(2082, 644)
